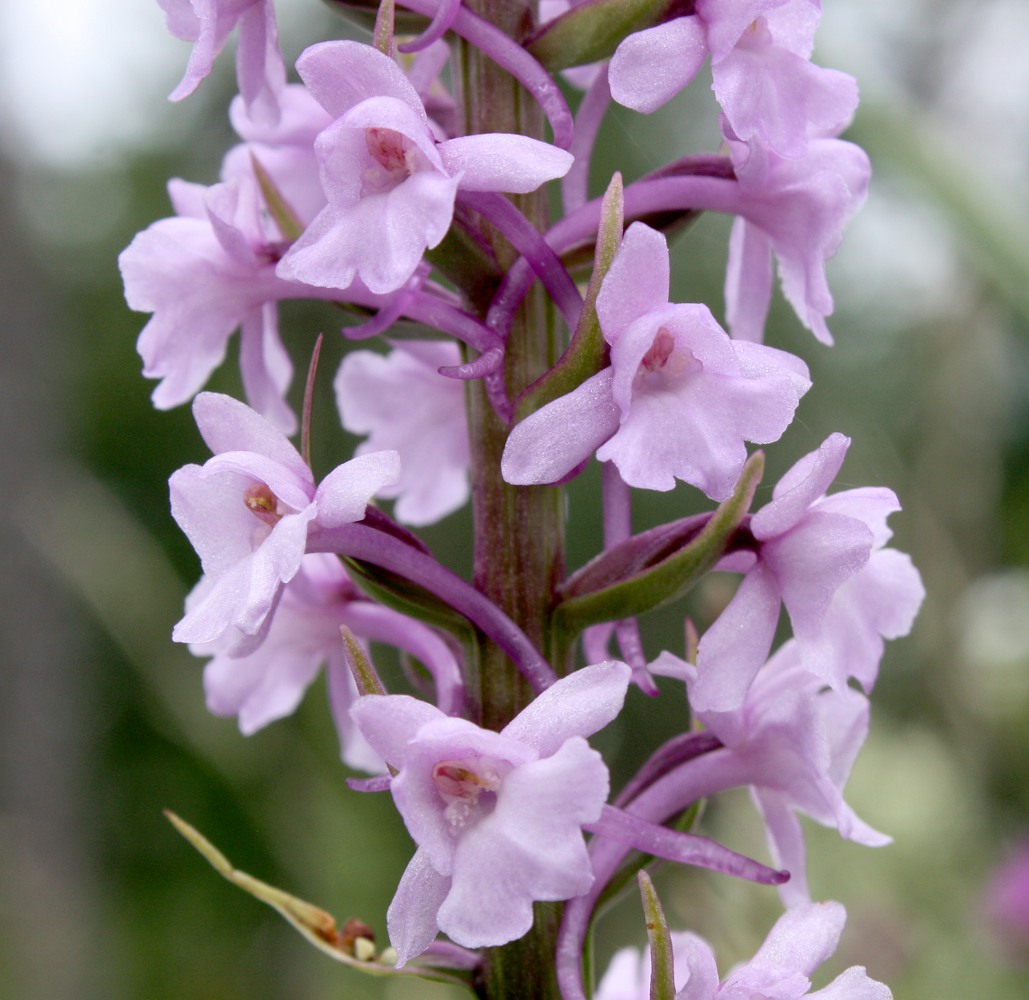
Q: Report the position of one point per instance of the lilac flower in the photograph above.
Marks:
(247, 512)
(203, 274)
(497, 816)
(801, 940)
(794, 742)
(679, 399)
(765, 84)
(208, 24)
(1006, 905)
(796, 210)
(390, 185)
(403, 403)
(268, 683)
(808, 546)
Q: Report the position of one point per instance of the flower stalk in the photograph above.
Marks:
(519, 534)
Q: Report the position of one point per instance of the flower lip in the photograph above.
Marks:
(665, 363)
(469, 787)
(264, 504)
(659, 352)
(397, 158)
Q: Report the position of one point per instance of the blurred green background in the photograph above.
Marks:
(102, 722)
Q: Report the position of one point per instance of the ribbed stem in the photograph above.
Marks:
(519, 531)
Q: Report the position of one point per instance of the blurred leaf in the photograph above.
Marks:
(662, 979)
(592, 30)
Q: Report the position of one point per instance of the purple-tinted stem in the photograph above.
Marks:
(575, 184)
(684, 848)
(671, 754)
(444, 954)
(533, 248)
(483, 365)
(617, 501)
(509, 55)
(394, 308)
(433, 311)
(701, 776)
(360, 542)
(437, 28)
(703, 192)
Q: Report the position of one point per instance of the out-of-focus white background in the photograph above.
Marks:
(102, 720)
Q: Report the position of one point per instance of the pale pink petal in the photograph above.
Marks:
(650, 67)
(343, 495)
(577, 705)
(535, 827)
(734, 648)
(226, 424)
(499, 162)
(637, 282)
(726, 22)
(390, 725)
(551, 442)
(696, 972)
(812, 560)
(854, 984)
(786, 842)
(748, 281)
(402, 402)
(259, 67)
(804, 483)
(801, 940)
(266, 367)
(411, 918)
(355, 751)
(342, 74)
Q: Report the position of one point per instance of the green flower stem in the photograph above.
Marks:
(519, 531)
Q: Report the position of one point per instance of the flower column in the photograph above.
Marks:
(518, 576)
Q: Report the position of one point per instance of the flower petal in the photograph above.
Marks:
(342, 74)
(503, 162)
(651, 66)
(636, 283)
(411, 918)
(226, 424)
(551, 442)
(577, 705)
(344, 494)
